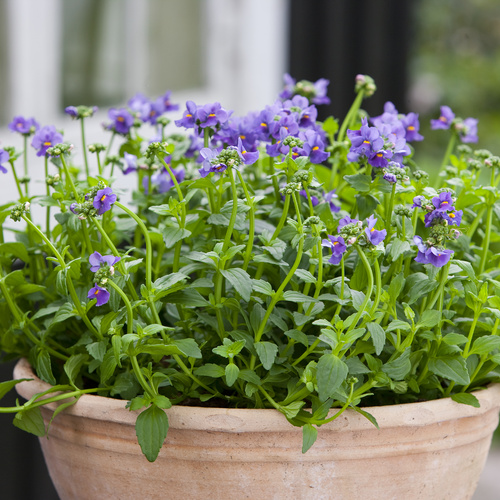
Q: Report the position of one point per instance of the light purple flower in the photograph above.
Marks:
(103, 200)
(431, 255)
(364, 142)
(337, 246)
(162, 180)
(4, 156)
(97, 260)
(212, 115)
(314, 199)
(46, 138)
(344, 221)
(467, 131)
(443, 201)
(444, 120)
(25, 126)
(417, 201)
(207, 166)
(167, 104)
(189, 116)
(99, 293)
(329, 197)
(412, 127)
(373, 235)
(313, 147)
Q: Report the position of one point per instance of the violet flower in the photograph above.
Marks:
(4, 156)
(167, 104)
(207, 166)
(162, 180)
(103, 200)
(99, 293)
(24, 126)
(212, 115)
(344, 221)
(467, 130)
(46, 138)
(337, 246)
(189, 116)
(329, 197)
(97, 260)
(121, 121)
(248, 157)
(373, 235)
(444, 120)
(431, 255)
(313, 147)
(130, 163)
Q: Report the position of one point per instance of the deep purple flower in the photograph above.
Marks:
(103, 200)
(417, 201)
(321, 88)
(97, 260)
(248, 157)
(24, 126)
(329, 197)
(315, 92)
(46, 138)
(275, 149)
(130, 163)
(189, 116)
(453, 218)
(337, 246)
(156, 109)
(380, 158)
(314, 199)
(121, 121)
(288, 90)
(390, 177)
(444, 120)
(4, 156)
(467, 130)
(71, 111)
(373, 235)
(101, 294)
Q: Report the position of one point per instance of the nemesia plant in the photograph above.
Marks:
(264, 261)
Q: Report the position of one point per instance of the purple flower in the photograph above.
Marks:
(344, 221)
(71, 111)
(380, 158)
(121, 121)
(24, 126)
(101, 294)
(130, 163)
(167, 104)
(163, 181)
(103, 200)
(417, 201)
(211, 115)
(4, 156)
(97, 260)
(390, 177)
(207, 166)
(467, 130)
(329, 197)
(314, 199)
(315, 92)
(248, 157)
(46, 138)
(313, 147)
(443, 201)
(338, 247)
(444, 120)
(453, 218)
(189, 116)
(431, 255)
(373, 235)
(364, 142)
(412, 126)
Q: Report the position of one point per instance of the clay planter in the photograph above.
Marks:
(433, 450)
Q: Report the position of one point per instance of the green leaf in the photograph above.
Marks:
(30, 420)
(357, 299)
(455, 339)
(331, 372)
(305, 276)
(367, 415)
(398, 324)
(261, 286)
(16, 249)
(419, 284)
(396, 286)
(330, 126)
(298, 336)
(108, 366)
(360, 182)
(466, 399)
(484, 345)
(290, 411)
(429, 319)
(298, 297)
(210, 370)
(65, 311)
(467, 268)
(44, 367)
(5, 387)
(398, 248)
(450, 368)
(73, 365)
(232, 372)
(241, 281)
(171, 235)
(167, 282)
(267, 352)
(188, 347)
(151, 429)
(377, 334)
(97, 349)
(398, 368)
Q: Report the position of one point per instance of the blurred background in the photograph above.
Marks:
(422, 54)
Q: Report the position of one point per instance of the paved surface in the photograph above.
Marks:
(489, 484)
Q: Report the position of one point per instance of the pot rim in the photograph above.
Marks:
(248, 420)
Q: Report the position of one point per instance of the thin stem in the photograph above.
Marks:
(128, 305)
(87, 171)
(449, 150)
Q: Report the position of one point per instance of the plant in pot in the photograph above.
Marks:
(270, 278)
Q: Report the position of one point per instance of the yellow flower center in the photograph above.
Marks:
(120, 119)
(48, 143)
(103, 197)
(366, 142)
(263, 124)
(211, 114)
(443, 119)
(189, 115)
(315, 148)
(411, 127)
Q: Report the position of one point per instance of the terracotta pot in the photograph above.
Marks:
(433, 450)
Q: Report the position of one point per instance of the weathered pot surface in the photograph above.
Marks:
(431, 450)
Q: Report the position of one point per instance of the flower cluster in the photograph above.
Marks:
(465, 128)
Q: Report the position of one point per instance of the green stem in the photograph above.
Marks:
(47, 191)
(87, 171)
(351, 114)
(140, 377)
(251, 217)
(369, 287)
(21, 195)
(388, 218)
(234, 212)
(69, 179)
(128, 305)
(447, 154)
(25, 158)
